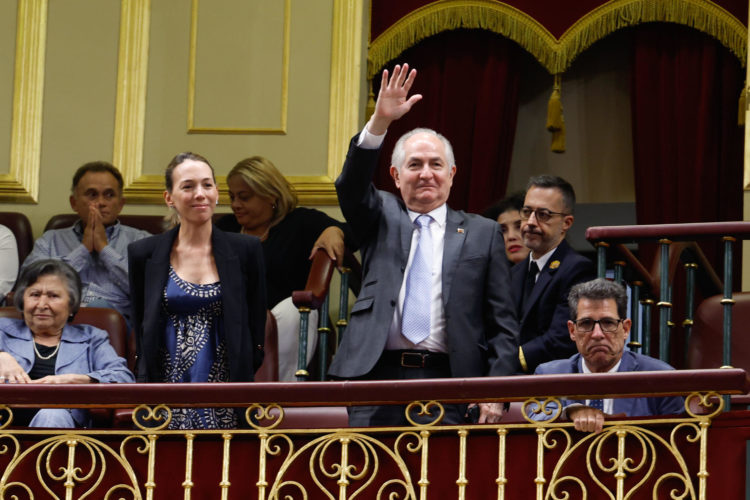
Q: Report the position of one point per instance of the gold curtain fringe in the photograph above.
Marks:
(555, 55)
(445, 15)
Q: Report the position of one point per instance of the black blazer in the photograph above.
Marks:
(544, 319)
(239, 261)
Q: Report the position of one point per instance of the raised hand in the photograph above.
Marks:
(392, 101)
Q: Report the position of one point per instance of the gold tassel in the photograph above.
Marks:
(742, 107)
(558, 141)
(554, 108)
(555, 118)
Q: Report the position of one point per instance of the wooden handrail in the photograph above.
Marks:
(512, 388)
(674, 232)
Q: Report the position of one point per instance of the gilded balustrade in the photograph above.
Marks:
(632, 458)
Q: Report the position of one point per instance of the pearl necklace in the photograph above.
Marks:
(47, 356)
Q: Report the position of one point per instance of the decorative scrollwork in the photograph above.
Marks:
(350, 461)
(549, 442)
(159, 416)
(550, 407)
(639, 464)
(424, 409)
(274, 449)
(393, 494)
(6, 416)
(256, 415)
(78, 463)
(709, 404)
(72, 472)
(5, 448)
(411, 447)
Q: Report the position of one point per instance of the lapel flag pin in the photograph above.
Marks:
(460, 230)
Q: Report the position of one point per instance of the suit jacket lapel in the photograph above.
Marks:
(545, 276)
(157, 271)
(453, 242)
(73, 345)
(406, 231)
(227, 263)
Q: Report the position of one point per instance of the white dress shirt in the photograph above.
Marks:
(437, 341)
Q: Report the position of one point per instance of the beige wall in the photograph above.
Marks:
(284, 79)
(114, 83)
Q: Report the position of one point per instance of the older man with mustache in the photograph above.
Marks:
(541, 282)
(599, 328)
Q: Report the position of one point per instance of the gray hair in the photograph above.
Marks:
(598, 289)
(63, 270)
(397, 158)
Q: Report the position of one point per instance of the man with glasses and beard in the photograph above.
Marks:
(599, 329)
(541, 282)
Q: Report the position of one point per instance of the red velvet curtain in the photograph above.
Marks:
(469, 80)
(687, 147)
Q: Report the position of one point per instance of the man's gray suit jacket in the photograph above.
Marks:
(481, 326)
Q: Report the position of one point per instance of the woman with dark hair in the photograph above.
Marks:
(507, 213)
(198, 296)
(44, 348)
(265, 205)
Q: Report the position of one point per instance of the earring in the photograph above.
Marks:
(273, 206)
(217, 202)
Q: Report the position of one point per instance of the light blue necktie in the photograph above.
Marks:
(415, 323)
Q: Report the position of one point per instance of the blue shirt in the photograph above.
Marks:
(104, 274)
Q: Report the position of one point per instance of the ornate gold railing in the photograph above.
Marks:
(266, 459)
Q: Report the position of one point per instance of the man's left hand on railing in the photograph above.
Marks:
(332, 241)
(491, 413)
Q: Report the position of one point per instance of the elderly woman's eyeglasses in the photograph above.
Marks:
(608, 325)
(542, 214)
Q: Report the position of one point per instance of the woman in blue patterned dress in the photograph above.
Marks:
(198, 296)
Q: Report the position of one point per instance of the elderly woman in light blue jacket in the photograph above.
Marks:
(44, 348)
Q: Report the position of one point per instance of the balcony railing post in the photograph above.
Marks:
(690, 269)
(324, 329)
(601, 258)
(646, 330)
(619, 271)
(664, 303)
(727, 301)
(343, 303)
(635, 331)
(304, 318)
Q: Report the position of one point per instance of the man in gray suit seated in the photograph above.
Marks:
(435, 299)
(599, 328)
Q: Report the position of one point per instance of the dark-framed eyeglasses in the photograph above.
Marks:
(542, 214)
(608, 325)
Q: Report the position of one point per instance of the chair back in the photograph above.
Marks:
(269, 369)
(108, 320)
(20, 226)
(705, 348)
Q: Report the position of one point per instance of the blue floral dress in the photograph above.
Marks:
(195, 348)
